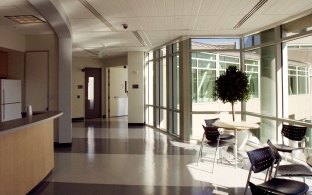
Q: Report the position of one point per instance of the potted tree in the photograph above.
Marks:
(231, 87)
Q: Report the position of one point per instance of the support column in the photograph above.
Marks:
(268, 92)
(53, 12)
(185, 90)
(136, 88)
(65, 75)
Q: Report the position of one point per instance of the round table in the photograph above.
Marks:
(235, 126)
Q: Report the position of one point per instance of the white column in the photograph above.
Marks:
(52, 11)
(268, 92)
(136, 87)
(65, 77)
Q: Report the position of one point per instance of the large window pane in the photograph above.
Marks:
(151, 83)
(215, 43)
(299, 62)
(297, 26)
(203, 81)
(163, 82)
(176, 82)
(162, 119)
(206, 67)
(252, 69)
(149, 115)
(259, 38)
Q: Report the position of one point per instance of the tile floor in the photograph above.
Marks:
(108, 157)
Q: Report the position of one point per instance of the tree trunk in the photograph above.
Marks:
(233, 112)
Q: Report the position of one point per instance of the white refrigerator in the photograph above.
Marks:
(11, 99)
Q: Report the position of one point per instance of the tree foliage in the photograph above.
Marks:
(232, 86)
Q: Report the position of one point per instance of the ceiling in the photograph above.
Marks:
(97, 25)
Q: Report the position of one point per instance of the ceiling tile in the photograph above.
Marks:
(159, 21)
(76, 10)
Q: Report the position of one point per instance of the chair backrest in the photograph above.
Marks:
(261, 159)
(275, 153)
(294, 132)
(209, 122)
(211, 133)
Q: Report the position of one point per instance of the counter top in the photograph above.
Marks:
(12, 125)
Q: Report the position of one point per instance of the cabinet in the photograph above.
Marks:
(3, 64)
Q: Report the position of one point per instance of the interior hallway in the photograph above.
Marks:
(108, 157)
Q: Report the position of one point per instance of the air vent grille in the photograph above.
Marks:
(250, 13)
(140, 39)
(97, 14)
(25, 19)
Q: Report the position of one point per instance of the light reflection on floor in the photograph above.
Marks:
(111, 154)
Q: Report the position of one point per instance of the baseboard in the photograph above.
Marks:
(59, 145)
(77, 119)
(136, 124)
(42, 184)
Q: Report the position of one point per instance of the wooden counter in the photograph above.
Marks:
(26, 152)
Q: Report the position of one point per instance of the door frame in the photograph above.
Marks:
(96, 91)
(108, 98)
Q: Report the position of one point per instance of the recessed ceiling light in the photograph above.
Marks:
(25, 19)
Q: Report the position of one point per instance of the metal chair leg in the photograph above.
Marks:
(201, 150)
(200, 153)
(214, 160)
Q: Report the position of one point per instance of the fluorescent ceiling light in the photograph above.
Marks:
(25, 19)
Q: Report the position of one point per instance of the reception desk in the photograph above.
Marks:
(26, 152)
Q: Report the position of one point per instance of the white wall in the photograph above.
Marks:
(116, 61)
(136, 96)
(78, 78)
(12, 40)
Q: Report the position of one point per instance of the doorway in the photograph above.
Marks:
(93, 91)
(117, 91)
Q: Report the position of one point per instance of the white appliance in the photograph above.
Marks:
(11, 99)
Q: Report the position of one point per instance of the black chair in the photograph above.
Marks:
(212, 136)
(262, 159)
(257, 190)
(223, 136)
(289, 170)
(293, 133)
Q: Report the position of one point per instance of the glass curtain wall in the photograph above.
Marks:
(209, 59)
(299, 81)
(260, 66)
(149, 89)
(162, 89)
(252, 69)
(278, 64)
(298, 58)
(299, 69)
(173, 89)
